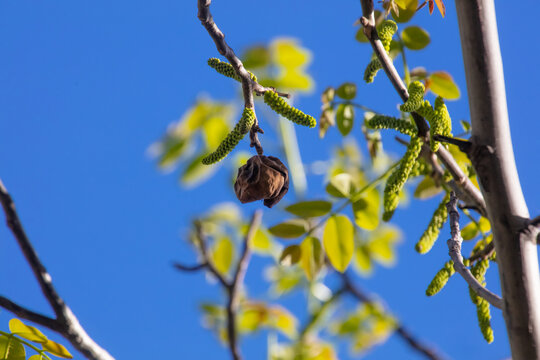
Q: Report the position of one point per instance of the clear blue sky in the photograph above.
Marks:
(86, 87)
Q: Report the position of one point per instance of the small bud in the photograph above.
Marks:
(262, 178)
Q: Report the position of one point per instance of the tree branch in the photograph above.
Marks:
(493, 159)
(412, 341)
(233, 286)
(454, 248)
(65, 323)
(463, 185)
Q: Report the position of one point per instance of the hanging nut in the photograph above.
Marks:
(262, 177)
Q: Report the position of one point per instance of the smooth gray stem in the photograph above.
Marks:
(493, 159)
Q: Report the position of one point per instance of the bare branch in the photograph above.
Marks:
(464, 186)
(66, 322)
(237, 281)
(454, 248)
(415, 343)
(206, 256)
(27, 314)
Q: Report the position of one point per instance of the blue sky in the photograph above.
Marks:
(87, 87)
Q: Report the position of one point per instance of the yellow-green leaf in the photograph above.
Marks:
(222, 254)
(407, 9)
(262, 243)
(415, 38)
(11, 348)
(290, 255)
(338, 240)
(289, 54)
(484, 225)
(341, 185)
(294, 79)
(442, 84)
(196, 171)
(215, 129)
(251, 317)
(309, 209)
(256, 57)
(57, 349)
(36, 357)
(312, 258)
(345, 118)
(28, 332)
(427, 189)
(362, 260)
(366, 210)
(346, 91)
(173, 148)
(381, 245)
(289, 229)
(469, 231)
(284, 321)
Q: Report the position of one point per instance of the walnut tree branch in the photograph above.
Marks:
(411, 340)
(454, 248)
(232, 286)
(471, 194)
(65, 323)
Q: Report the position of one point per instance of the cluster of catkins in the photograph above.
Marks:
(248, 119)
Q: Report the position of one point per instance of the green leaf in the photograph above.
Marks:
(341, 186)
(346, 91)
(256, 57)
(362, 260)
(290, 255)
(312, 258)
(309, 209)
(442, 84)
(345, 118)
(415, 38)
(11, 348)
(469, 231)
(19, 328)
(360, 36)
(407, 9)
(196, 171)
(427, 189)
(174, 147)
(289, 229)
(57, 349)
(465, 125)
(223, 254)
(338, 240)
(366, 210)
(382, 243)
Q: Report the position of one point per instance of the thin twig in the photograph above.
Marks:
(231, 286)
(473, 195)
(237, 282)
(454, 248)
(415, 343)
(66, 322)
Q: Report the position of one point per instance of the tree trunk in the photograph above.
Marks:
(493, 159)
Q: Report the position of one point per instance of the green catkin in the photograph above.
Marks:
(440, 279)
(482, 306)
(416, 97)
(233, 138)
(387, 30)
(387, 122)
(440, 123)
(421, 167)
(431, 234)
(224, 68)
(399, 176)
(280, 106)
